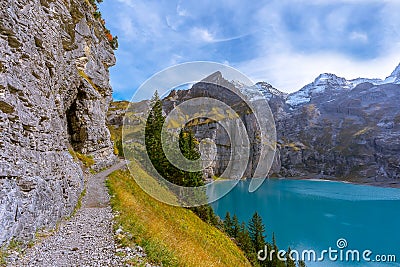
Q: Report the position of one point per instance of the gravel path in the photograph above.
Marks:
(85, 240)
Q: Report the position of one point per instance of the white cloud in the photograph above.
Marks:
(202, 34)
(127, 2)
(127, 28)
(289, 70)
(338, 19)
(172, 22)
(175, 59)
(181, 11)
(162, 33)
(279, 62)
(359, 37)
(175, 19)
(226, 62)
(140, 21)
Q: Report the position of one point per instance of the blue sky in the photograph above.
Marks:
(286, 43)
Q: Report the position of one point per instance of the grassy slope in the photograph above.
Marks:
(170, 235)
(116, 106)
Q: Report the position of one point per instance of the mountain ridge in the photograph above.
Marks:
(329, 81)
(345, 130)
(339, 134)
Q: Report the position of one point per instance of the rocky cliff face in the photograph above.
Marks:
(54, 94)
(332, 128)
(216, 87)
(343, 133)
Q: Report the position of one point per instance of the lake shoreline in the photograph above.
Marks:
(386, 184)
(308, 214)
(383, 184)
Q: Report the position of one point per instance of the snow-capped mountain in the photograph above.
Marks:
(332, 128)
(394, 77)
(269, 91)
(261, 90)
(325, 87)
(329, 85)
(321, 84)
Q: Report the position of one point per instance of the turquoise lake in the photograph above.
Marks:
(311, 214)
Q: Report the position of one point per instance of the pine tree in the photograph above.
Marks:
(228, 224)
(246, 245)
(154, 124)
(206, 213)
(188, 147)
(187, 144)
(275, 260)
(256, 231)
(301, 263)
(235, 226)
(268, 261)
(289, 261)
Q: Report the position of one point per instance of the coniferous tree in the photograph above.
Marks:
(228, 224)
(251, 240)
(235, 226)
(246, 245)
(275, 261)
(289, 261)
(206, 213)
(188, 147)
(301, 263)
(256, 231)
(154, 124)
(268, 261)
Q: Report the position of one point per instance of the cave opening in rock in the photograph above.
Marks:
(75, 129)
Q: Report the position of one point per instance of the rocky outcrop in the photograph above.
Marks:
(352, 135)
(216, 87)
(54, 94)
(340, 129)
(332, 128)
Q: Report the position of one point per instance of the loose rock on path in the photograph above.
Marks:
(87, 239)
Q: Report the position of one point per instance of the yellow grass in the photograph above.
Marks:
(118, 105)
(363, 131)
(86, 160)
(171, 236)
(90, 81)
(293, 146)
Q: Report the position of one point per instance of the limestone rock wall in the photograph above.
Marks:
(341, 134)
(216, 87)
(354, 136)
(54, 94)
